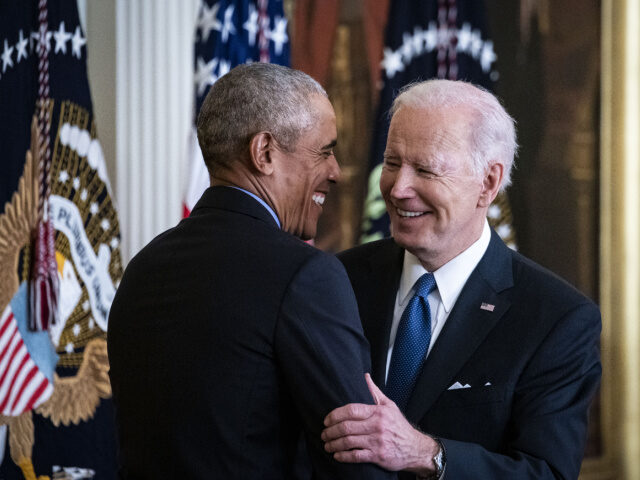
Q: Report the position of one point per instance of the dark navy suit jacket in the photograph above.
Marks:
(228, 338)
(531, 360)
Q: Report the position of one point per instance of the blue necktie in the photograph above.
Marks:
(411, 343)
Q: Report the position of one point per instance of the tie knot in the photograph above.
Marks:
(425, 285)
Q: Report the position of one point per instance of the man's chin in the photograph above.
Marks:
(406, 230)
(305, 234)
(409, 240)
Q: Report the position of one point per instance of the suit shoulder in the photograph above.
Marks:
(290, 249)
(543, 284)
(322, 265)
(367, 250)
(291, 258)
(148, 254)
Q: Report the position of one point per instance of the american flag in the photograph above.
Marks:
(22, 385)
(55, 377)
(229, 33)
(430, 39)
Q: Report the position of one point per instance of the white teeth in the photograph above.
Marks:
(406, 213)
(318, 198)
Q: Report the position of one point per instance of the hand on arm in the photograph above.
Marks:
(322, 355)
(378, 434)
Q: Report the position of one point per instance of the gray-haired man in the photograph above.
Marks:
(495, 358)
(229, 336)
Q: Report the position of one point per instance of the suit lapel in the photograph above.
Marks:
(385, 277)
(466, 327)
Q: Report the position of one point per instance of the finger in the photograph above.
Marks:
(349, 443)
(373, 388)
(352, 411)
(376, 393)
(343, 429)
(354, 456)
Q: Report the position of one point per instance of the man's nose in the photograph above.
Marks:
(402, 183)
(335, 173)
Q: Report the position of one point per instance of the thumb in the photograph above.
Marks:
(378, 397)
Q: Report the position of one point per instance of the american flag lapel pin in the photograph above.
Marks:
(487, 306)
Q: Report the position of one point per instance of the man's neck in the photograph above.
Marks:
(251, 184)
(431, 264)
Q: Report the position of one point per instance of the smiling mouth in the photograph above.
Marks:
(409, 214)
(318, 198)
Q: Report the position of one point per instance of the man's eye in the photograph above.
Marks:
(391, 163)
(423, 172)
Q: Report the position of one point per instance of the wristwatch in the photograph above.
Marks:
(439, 460)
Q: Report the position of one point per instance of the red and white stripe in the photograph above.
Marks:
(198, 176)
(447, 39)
(263, 30)
(43, 284)
(197, 173)
(22, 385)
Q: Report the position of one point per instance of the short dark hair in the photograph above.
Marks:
(252, 98)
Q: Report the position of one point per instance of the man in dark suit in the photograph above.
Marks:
(229, 336)
(493, 357)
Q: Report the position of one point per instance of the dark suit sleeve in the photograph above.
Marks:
(323, 356)
(548, 428)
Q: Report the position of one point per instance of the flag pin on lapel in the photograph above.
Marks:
(487, 306)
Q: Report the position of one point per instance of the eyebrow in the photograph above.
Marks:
(329, 146)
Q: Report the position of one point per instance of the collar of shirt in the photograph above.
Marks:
(450, 278)
(262, 202)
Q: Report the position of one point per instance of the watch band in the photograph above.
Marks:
(439, 460)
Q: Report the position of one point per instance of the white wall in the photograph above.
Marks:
(140, 56)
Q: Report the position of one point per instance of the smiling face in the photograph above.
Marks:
(303, 177)
(436, 204)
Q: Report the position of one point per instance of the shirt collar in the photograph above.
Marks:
(451, 277)
(262, 202)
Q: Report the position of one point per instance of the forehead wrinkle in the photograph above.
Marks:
(436, 138)
(445, 142)
(448, 127)
(320, 150)
(317, 150)
(433, 151)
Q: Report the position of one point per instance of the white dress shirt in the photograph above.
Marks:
(450, 279)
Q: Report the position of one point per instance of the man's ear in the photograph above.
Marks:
(261, 149)
(491, 184)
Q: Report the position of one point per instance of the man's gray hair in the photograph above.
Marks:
(253, 98)
(493, 134)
